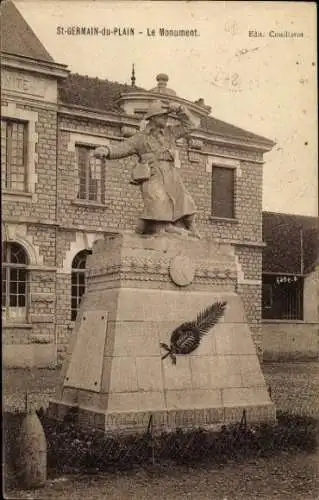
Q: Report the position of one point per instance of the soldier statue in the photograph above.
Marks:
(168, 207)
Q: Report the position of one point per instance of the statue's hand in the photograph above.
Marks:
(101, 152)
(174, 108)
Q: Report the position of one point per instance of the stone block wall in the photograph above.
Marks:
(63, 317)
(34, 342)
(39, 203)
(249, 262)
(197, 176)
(29, 219)
(290, 341)
(122, 200)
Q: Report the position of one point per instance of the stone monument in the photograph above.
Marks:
(161, 331)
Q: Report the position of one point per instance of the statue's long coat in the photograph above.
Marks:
(165, 196)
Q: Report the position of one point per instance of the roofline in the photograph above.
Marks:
(202, 111)
(147, 95)
(96, 114)
(121, 118)
(291, 214)
(42, 67)
(248, 143)
(257, 138)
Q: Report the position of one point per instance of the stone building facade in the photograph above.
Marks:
(57, 201)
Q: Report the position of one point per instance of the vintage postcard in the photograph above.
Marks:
(160, 270)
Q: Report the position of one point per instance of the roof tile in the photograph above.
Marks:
(92, 93)
(219, 127)
(17, 37)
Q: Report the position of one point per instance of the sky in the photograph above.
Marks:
(266, 85)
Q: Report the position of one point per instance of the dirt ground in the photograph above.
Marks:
(294, 388)
(281, 477)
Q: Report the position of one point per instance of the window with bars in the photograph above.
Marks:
(13, 155)
(14, 282)
(78, 281)
(223, 190)
(91, 175)
(282, 297)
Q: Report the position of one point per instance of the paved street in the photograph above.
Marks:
(294, 386)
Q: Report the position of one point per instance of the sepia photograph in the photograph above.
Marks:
(160, 250)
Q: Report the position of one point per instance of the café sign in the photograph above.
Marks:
(286, 279)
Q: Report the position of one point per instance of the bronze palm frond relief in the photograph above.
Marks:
(186, 337)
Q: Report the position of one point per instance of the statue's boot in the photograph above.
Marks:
(193, 231)
(150, 227)
(189, 222)
(170, 228)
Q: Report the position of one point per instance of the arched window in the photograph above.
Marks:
(14, 282)
(78, 281)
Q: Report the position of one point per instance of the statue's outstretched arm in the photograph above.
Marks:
(186, 124)
(126, 148)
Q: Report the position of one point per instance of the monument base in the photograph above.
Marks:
(136, 422)
(139, 291)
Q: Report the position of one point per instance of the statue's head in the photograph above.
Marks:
(157, 114)
(159, 121)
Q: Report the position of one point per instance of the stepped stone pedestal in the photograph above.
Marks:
(140, 288)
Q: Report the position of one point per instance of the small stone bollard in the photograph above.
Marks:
(32, 460)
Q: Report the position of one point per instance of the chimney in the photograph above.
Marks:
(162, 80)
(200, 102)
(161, 87)
(133, 79)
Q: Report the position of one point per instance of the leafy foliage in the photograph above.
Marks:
(71, 448)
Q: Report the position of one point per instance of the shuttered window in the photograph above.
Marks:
(13, 155)
(223, 180)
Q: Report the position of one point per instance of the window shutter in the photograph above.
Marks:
(223, 192)
(13, 155)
